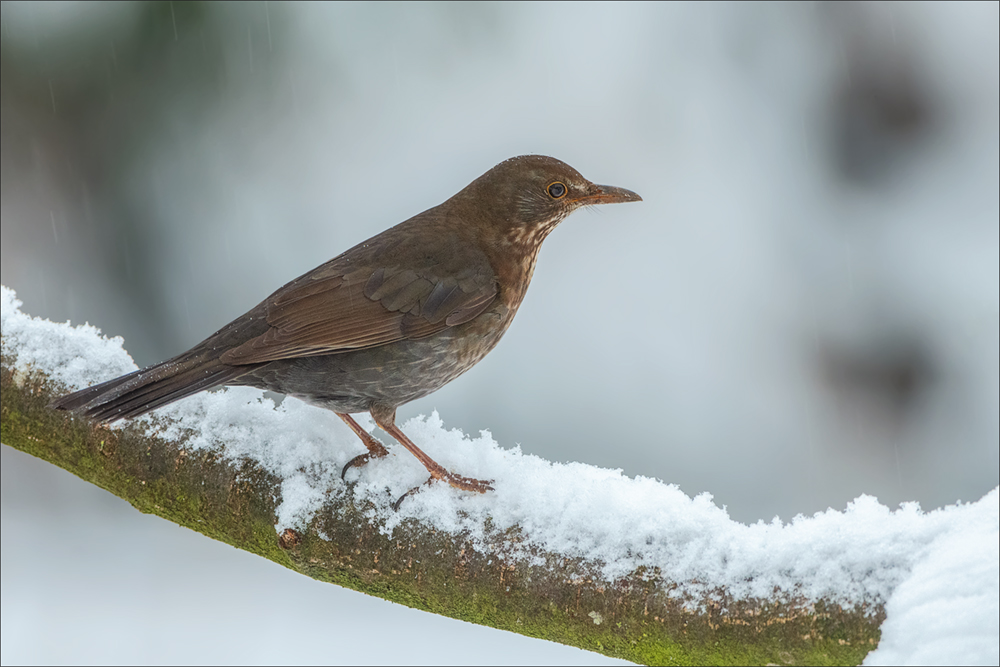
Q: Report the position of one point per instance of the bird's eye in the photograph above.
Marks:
(557, 190)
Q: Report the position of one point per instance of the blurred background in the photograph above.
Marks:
(805, 307)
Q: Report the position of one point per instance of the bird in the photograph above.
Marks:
(387, 322)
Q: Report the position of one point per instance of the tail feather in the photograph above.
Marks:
(144, 390)
(78, 399)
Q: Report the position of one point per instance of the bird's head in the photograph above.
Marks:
(525, 197)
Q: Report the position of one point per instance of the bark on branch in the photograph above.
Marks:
(551, 597)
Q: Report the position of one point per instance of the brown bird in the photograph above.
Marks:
(389, 321)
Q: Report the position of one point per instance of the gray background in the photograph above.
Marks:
(803, 309)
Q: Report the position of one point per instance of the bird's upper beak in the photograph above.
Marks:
(607, 194)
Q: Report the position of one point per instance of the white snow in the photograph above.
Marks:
(947, 611)
(937, 571)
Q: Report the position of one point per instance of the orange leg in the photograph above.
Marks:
(386, 419)
(375, 448)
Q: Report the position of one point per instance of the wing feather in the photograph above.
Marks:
(331, 311)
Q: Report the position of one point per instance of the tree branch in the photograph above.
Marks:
(544, 594)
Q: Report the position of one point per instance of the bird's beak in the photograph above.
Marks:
(607, 194)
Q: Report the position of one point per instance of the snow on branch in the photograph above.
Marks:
(572, 553)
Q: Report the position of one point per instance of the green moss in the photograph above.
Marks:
(562, 600)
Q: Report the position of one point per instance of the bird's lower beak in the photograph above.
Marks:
(608, 194)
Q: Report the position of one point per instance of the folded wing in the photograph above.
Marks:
(339, 307)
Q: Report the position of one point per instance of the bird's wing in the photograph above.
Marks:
(341, 306)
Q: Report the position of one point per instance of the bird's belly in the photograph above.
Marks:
(389, 375)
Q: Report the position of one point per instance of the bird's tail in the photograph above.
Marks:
(150, 388)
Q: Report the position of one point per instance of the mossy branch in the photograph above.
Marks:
(551, 597)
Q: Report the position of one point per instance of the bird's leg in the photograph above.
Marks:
(386, 419)
(376, 449)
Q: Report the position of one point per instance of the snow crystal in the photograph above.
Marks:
(937, 571)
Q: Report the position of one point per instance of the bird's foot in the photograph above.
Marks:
(358, 460)
(399, 501)
(457, 481)
(464, 483)
(376, 449)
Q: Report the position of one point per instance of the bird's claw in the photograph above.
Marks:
(457, 481)
(358, 460)
(399, 501)
(467, 483)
